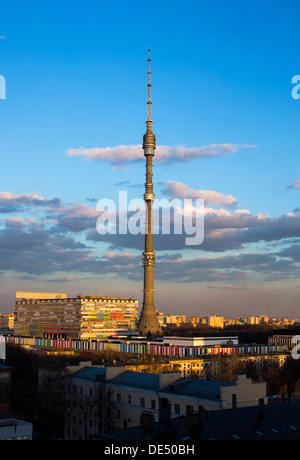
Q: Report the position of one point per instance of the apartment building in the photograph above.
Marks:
(15, 430)
(211, 367)
(125, 395)
(171, 320)
(215, 321)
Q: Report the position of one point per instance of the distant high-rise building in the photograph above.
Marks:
(7, 321)
(82, 317)
(215, 321)
(148, 322)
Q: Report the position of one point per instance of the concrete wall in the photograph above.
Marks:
(247, 393)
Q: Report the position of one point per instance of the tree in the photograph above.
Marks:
(88, 412)
(52, 405)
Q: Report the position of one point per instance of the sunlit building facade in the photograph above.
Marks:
(82, 317)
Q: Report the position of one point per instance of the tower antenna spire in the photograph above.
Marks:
(149, 86)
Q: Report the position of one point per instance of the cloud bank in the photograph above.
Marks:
(53, 238)
(121, 155)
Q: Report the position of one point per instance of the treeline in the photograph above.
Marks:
(280, 379)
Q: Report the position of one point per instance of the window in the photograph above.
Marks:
(129, 399)
(152, 403)
(119, 397)
(143, 402)
(293, 428)
(274, 430)
(189, 409)
(177, 408)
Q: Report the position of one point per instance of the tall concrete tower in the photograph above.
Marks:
(148, 322)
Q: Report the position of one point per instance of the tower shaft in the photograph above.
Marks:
(148, 322)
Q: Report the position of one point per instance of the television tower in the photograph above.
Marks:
(148, 321)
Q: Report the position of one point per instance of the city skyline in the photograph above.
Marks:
(227, 129)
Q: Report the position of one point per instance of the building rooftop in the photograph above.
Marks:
(138, 380)
(91, 373)
(208, 389)
(4, 367)
(12, 422)
(269, 422)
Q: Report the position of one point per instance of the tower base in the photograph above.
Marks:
(149, 325)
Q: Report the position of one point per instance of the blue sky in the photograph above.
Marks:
(76, 76)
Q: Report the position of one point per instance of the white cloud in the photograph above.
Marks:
(8, 199)
(184, 154)
(182, 191)
(125, 255)
(120, 155)
(240, 218)
(116, 156)
(18, 222)
(78, 210)
(296, 184)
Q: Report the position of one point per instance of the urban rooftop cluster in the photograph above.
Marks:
(220, 321)
(172, 321)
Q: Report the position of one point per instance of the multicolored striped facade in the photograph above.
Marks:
(144, 348)
(82, 318)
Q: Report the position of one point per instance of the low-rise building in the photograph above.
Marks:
(228, 341)
(130, 394)
(13, 429)
(285, 337)
(213, 366)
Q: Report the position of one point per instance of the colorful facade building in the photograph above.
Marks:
(81, 318)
